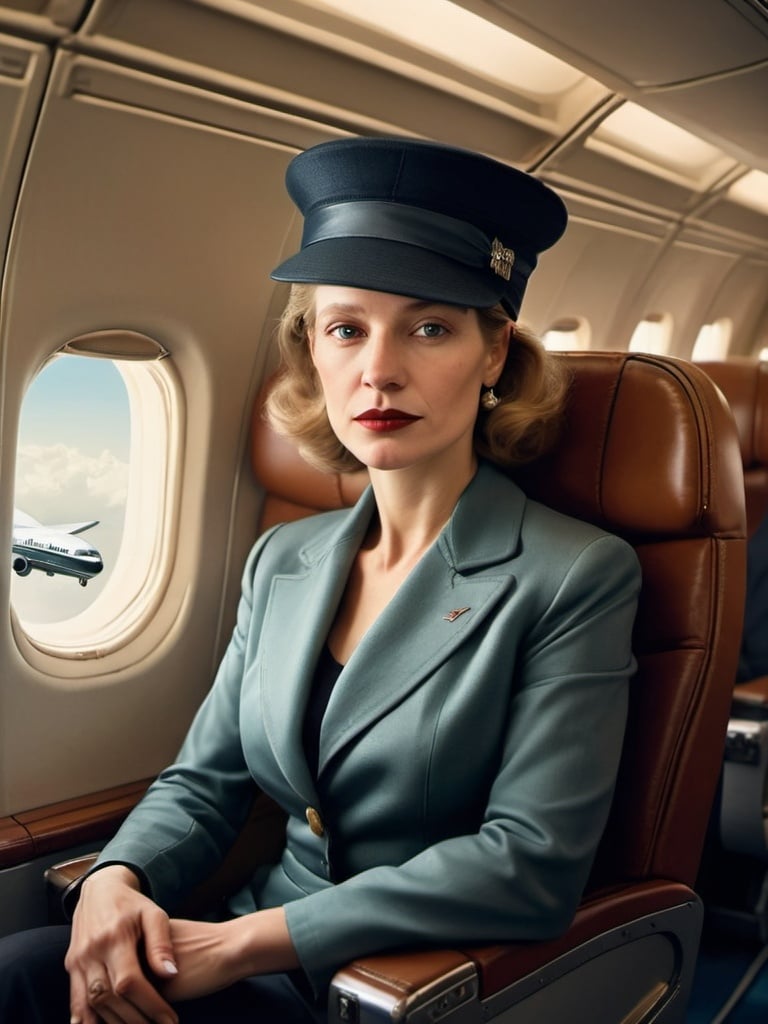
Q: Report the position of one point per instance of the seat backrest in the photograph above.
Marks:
(744, 382)
(648, 451)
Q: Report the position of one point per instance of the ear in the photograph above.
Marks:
(497, 355)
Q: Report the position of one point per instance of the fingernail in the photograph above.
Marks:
(170, 967)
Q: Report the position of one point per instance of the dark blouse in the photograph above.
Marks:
(327, 672)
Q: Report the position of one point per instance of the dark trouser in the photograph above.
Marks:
(34, 989)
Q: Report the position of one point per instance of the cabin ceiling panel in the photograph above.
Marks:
(94, 81)
(647, 44)
(702, 64)
(708, 238)
(730, 111)
(598, 174)
(733, 217)
(608, 216)
(43, 17)
(210, 46)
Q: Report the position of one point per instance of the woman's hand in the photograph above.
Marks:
(212, 956)
(208, 959)
(112, 923)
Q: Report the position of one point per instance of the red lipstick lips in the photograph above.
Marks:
(385, 420)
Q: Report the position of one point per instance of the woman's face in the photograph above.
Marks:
(402, 377)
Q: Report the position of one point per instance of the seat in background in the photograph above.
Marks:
(735, 877)
(744, 382)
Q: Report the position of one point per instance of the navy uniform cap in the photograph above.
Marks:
(419, 219)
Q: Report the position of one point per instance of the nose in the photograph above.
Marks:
(382, 368)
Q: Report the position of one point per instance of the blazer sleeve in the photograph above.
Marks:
(193, 811)
(522, 874)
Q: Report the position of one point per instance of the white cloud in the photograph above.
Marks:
(57, 482)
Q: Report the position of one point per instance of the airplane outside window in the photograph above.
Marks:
(72, 470)
(52, 549)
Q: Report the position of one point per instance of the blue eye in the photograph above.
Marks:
(431, 330)
(345, 332)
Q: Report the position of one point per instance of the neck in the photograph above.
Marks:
(412, 510)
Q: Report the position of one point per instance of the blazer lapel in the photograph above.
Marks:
(448, 596)
(299, 616)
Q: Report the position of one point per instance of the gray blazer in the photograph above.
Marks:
(468, 753)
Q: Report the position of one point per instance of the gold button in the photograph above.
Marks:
(315, 821)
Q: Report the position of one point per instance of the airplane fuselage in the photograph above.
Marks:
(53, 554)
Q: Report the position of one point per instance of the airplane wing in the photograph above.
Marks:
(74, 527)
(22, 519)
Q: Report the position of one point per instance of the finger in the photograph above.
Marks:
(121, 1013)
(98, 989)
(79, 1010)
(135, 998)
(107, 1016)
(158, 946)
(110, 1007)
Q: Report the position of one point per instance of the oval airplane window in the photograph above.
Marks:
(652, 335)
(570, 334)
(713, 340)
(94, 455)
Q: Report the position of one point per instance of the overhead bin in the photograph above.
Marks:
(701, 63)
(266, 52)
(145, 169)
(42, 18)
(650, 44)
(23, 71)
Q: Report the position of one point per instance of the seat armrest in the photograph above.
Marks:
(751, 695)
(60, 880)
(626, 952)
(60, 876)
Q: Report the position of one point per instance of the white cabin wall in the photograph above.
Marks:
(592, 274)
(165, 213)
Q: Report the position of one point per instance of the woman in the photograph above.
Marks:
(417, 681)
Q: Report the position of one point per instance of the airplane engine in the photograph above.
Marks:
(21, 565)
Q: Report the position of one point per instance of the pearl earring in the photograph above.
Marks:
(489, 400)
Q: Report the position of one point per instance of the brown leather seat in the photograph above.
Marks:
(744, 382)
(742, 821)
(650, 452)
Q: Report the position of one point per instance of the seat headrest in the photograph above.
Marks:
(744, 382)
(629, 457)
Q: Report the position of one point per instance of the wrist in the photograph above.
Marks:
(112, 874)
(261, 943)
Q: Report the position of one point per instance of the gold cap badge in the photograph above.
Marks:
(502, 259)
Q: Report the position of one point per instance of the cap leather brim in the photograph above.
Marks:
(385, 266)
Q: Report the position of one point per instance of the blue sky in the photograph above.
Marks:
(80, 401)
(72, 465)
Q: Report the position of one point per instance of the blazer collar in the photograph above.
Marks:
(411, 637)
(490, 499)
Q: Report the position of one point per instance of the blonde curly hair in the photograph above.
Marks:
(523, 425)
